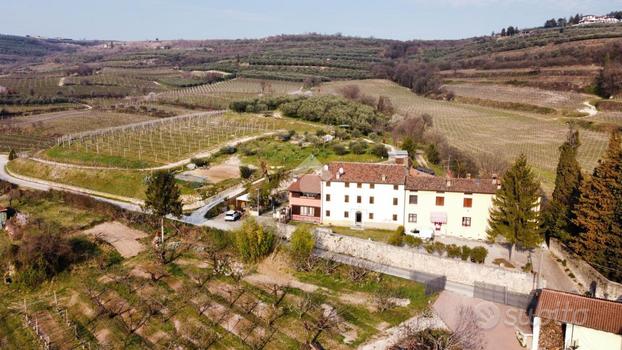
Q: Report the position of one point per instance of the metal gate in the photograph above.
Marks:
(500, 294)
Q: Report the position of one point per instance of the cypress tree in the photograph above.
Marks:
(515, 215)
(599, 214)
(12, 154)
(559, 215)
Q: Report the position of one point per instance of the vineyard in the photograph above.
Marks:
(35, 132)
(219, 95)
(479, 130)
(156, 142)
(506, 93)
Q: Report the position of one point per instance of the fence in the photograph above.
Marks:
(500, 295)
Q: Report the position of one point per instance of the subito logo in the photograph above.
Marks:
(488, 315)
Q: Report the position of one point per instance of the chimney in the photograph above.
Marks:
(494, 179)
(384, 178)
(296, 179)
(341, 171)
(468, 175)
(448, 182)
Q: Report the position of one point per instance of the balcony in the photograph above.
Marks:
(306, 201)
(310, 219)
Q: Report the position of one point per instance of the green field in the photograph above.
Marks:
(477, 129)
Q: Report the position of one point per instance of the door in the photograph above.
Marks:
(358, 218)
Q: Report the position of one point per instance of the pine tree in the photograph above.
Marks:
(163, 197)
(515, 215)
(599, 214)
(559, 215)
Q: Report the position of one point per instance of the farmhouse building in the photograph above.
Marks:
(591, 19)
(389, 195)
(586, 323)
(304, 199)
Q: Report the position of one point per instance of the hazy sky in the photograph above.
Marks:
(195, 19)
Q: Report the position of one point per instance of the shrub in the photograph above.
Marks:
(380, 151)
(228, 150)
(253, 241)
(454, 251)
(439, 248)
(12, 154)
(501, 261)
(397, 237)
(340, 150)
(214, 211)
(478, 254)
(413, 241)
(528, 267)
(465, 253)
(359, 147)
(246, 172)
(429, 247)
(113, 258)
(301, 244)
(200, 162)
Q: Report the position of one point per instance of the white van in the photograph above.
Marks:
(426, 233)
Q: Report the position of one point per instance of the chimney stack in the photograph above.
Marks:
(448, 182)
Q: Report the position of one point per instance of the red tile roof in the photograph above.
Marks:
(600, 314)
(439, 184)
(394, 174)
(307, 184)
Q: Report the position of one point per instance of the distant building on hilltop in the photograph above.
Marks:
(591, 19)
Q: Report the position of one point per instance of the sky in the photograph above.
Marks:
(231, 19)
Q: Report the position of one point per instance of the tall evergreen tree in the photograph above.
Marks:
(163, 197)
(558, 215)
(599, 214)
(515, 215)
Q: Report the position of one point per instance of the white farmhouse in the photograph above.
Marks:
(363, 195)
(389, 195)
(451, 207)
(591, 19)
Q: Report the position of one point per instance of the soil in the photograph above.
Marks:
(124, 239)
(229, 169)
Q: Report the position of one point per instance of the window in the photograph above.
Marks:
(413, 199)
(358, 199)
(327, 213)
(396, 187)
(307, 211)
(394, 217)
(347, 184)
(328, 197)
(346, 214)
(371, 186)
(347, 198)
(440, 201)
(394, 201)
(412, 218)
(359, 185)
(327, 183)
(468, 203)
(371, 216)
(371, 200)
(466, 221)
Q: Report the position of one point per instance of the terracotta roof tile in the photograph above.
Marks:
(600, 314)
(375, 173)
(310, 183)
(439, 184)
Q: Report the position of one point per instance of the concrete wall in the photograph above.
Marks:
(382, 209)
(585, 273)
(405, 258)
(455, 211)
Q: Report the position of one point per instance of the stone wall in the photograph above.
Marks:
(586, 274)
(455, 270)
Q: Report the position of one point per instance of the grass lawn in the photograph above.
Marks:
(117, 182)
(373, 234)
(57, 212)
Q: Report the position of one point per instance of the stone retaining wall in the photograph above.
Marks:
(455, 270)
(586, 274)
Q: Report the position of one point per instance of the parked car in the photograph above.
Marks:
(232, 215)
(426, 234)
